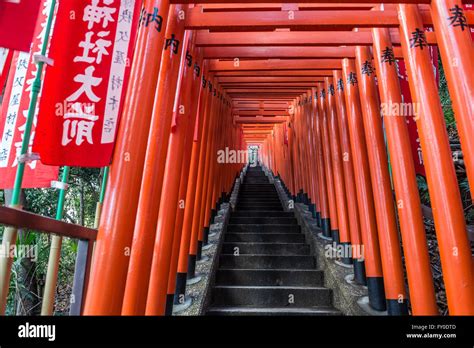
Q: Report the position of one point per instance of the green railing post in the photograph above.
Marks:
(47, 306)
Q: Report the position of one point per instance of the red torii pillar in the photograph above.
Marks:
(454, 247)
(389, 242)
(420, 279)
(110, 261)
(457, 53)
(349, 182)
(364, 188)
(138, 276)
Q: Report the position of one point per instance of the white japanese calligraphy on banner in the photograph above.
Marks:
(84, 90)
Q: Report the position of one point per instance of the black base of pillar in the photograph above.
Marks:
(191, 266)
(325, 226)
(312, 210)
(335, 236)
(305, 198)
(318, 219)
(205, 236)
(359, 272)
(169, 305)
(213, 216)
(180, 291)
(199, 250)
(396, 308)
(294, 198)
(347, 258)
(376, 293)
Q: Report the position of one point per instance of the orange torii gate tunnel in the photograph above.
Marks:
(312, 84)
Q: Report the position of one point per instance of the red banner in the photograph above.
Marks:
(83, 92)
(6, 56)
(13, 116)
(407, 100)
(17, 22)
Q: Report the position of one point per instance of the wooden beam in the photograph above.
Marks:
(294, 38)
(275, 79)
(274, 64)
(260, 113)
(277, 119)
(232, 3)
(284, 73)
(296, 20)
(293, 85)
(24, 219)
(260, 6)
(284, 52)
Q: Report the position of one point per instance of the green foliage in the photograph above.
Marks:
(423, 189)
(79, 208)
(446, 102)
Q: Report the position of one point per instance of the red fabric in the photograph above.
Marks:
(18, 19)
(13, 115)
(77, 121)
(412, 128)
(5, 62)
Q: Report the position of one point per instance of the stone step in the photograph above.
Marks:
(266, 262)
(271, 296)
(265, 237)
(263, 228)
(259, 195)
(249, 208)
(262, 198)
(267, 277)
(264, 220)
(257, 203)
(262, 213)
(275, 311)
(265, 248)
(260, 191)
(260, 206)
(258, 186)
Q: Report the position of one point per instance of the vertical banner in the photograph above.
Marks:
(14, 113)
(17, 23)
(6, 56)
(409, 106)
(92, 48)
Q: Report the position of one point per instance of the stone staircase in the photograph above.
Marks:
(265, 266)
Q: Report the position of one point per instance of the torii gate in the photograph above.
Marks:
(286, 54)
(303, 72)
